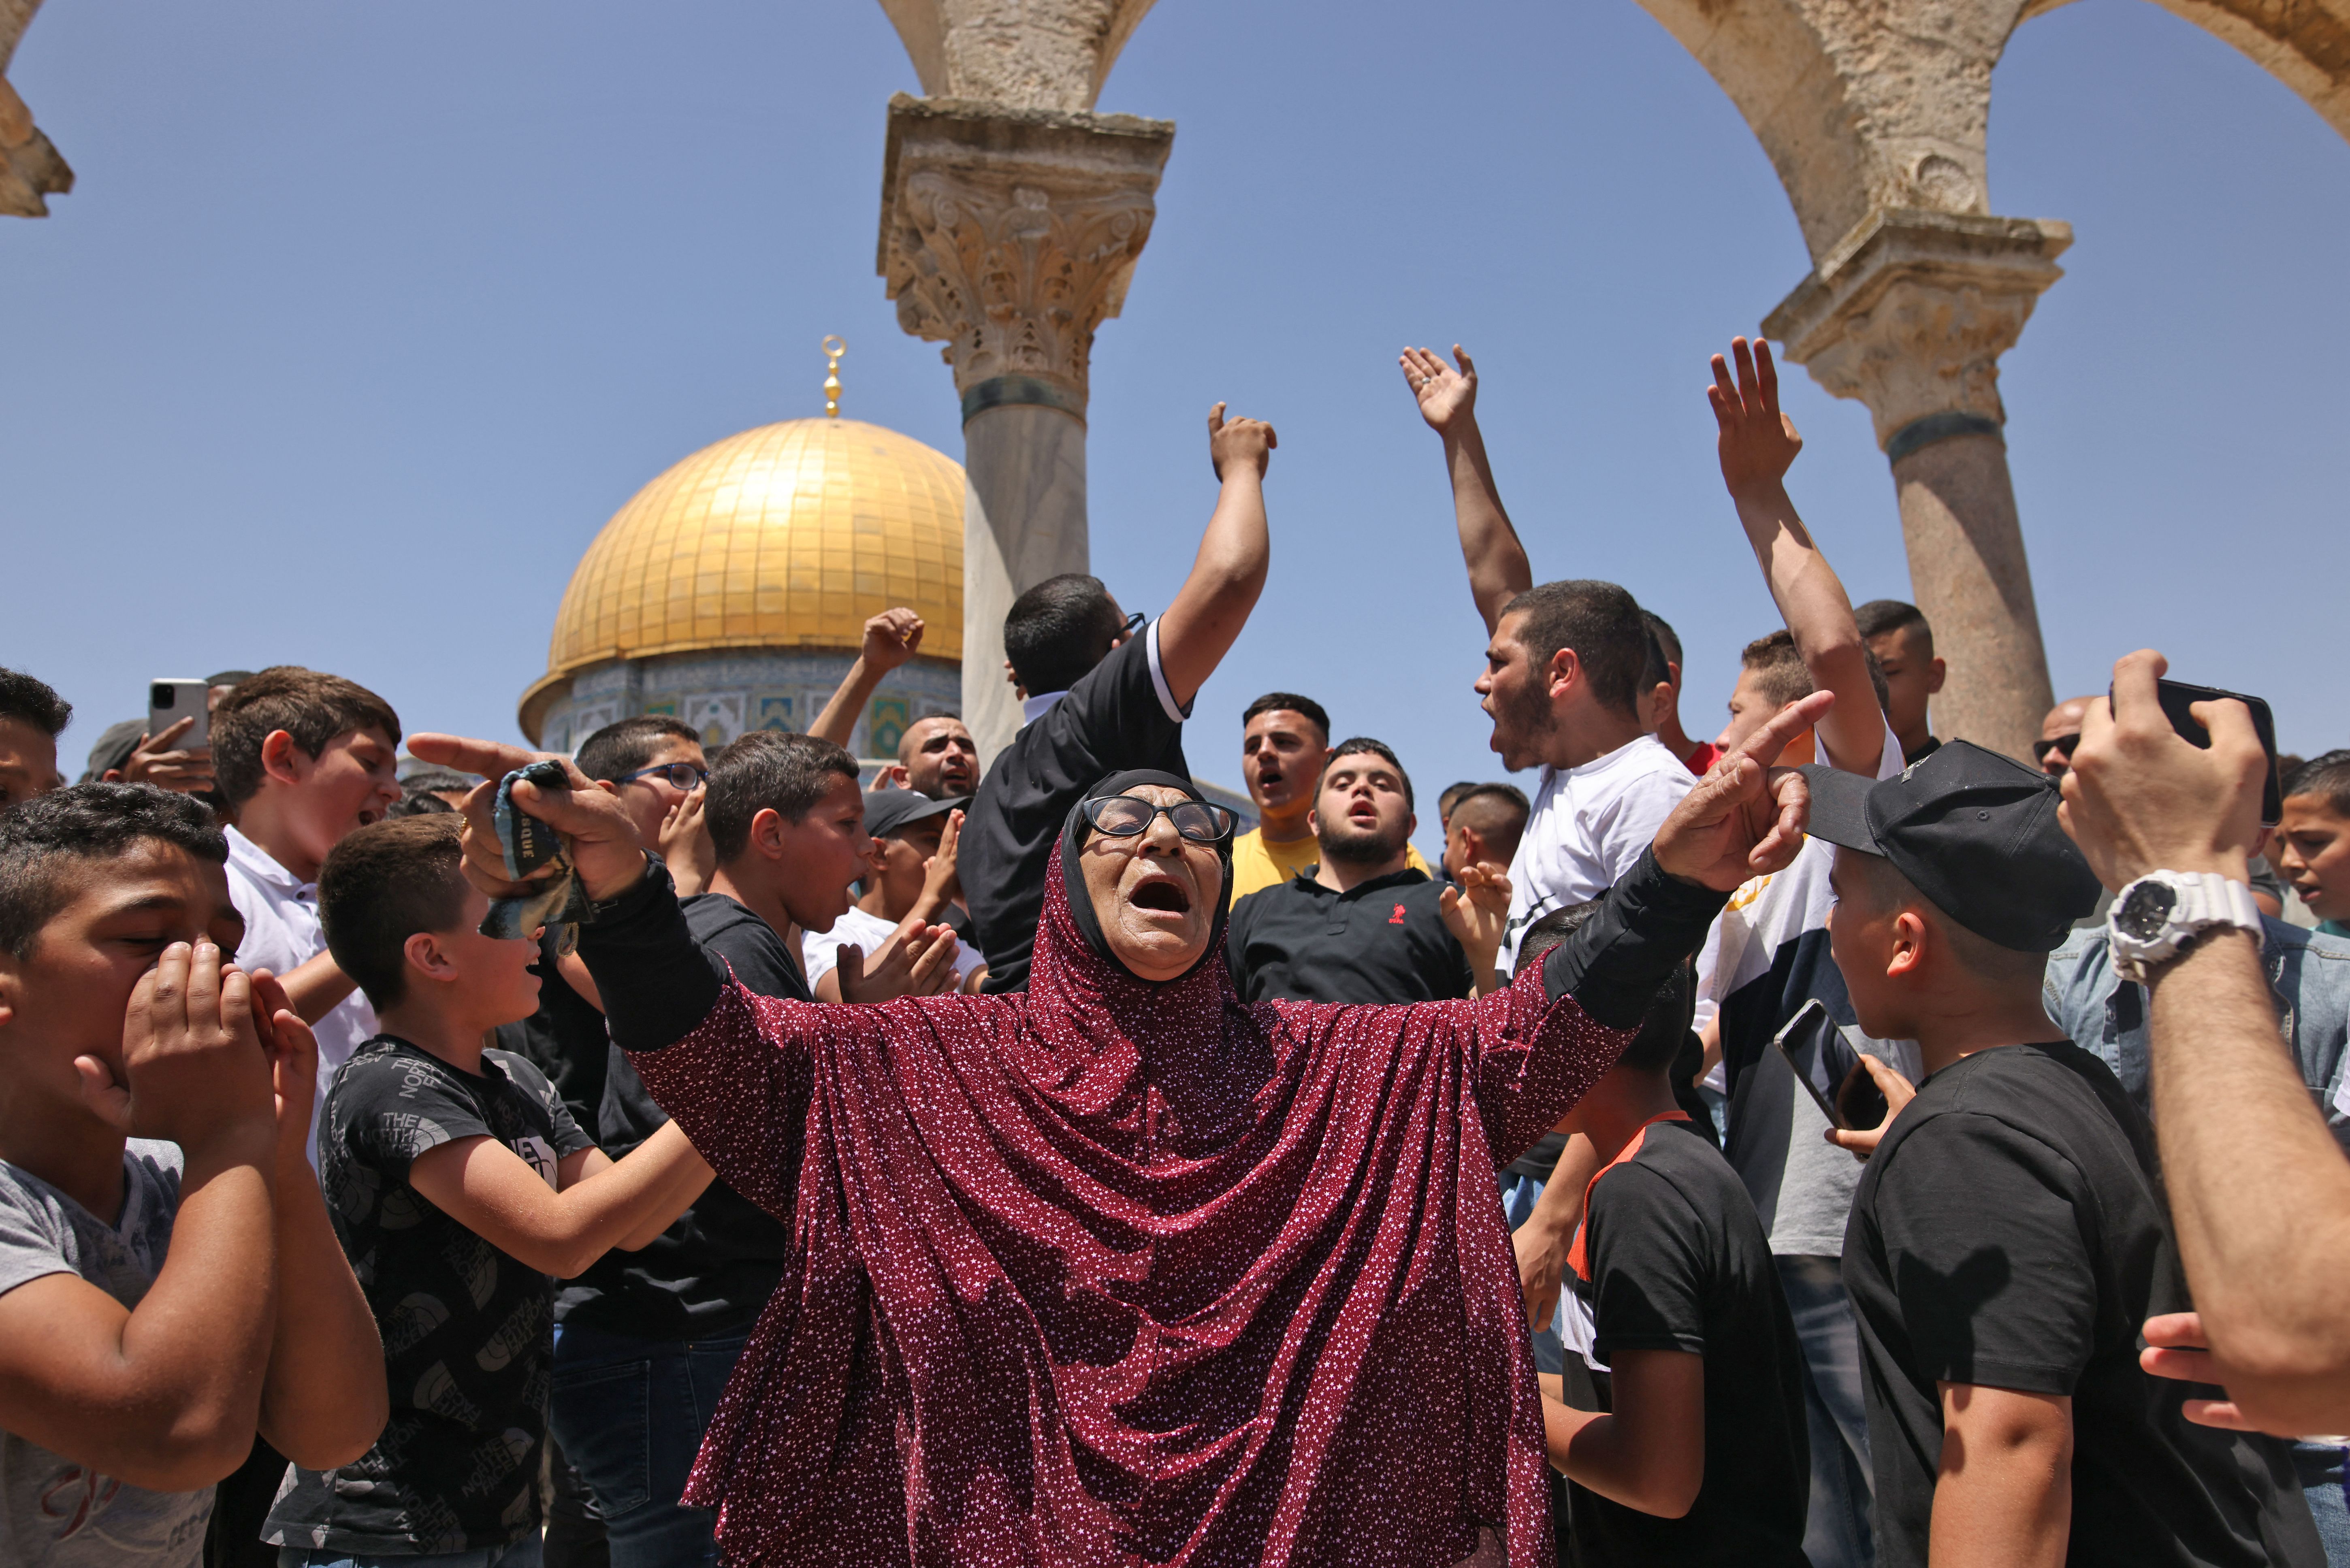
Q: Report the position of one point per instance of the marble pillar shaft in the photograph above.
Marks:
(1024, 521)
(1967, 567)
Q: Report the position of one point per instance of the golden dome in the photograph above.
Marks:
(787, 536)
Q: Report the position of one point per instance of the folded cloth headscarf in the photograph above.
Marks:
(1110, 1271)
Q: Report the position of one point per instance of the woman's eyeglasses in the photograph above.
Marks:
(1128, 817)
(681, 776)
(2068, 745)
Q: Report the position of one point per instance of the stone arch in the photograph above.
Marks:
(2304, 43)
(1861, 108)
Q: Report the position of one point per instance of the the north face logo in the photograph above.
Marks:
(1396, 918)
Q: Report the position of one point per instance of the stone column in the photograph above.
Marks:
(30, 168)
(1010, 235)
(1910, 314)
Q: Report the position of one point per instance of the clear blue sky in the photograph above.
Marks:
(363, 320)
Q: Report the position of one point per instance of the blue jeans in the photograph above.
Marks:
(2320, 1468)
(1835, 1532)
(630, 1413)
(523, 1553)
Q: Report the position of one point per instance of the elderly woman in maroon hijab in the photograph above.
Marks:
(1120, 1269)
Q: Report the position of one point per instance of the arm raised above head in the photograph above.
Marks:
(1758, 444)
(1201, 626)
(1499, 570)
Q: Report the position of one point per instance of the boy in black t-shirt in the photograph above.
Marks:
(1687, 1445)
(458, 1184)
(2010, 1235)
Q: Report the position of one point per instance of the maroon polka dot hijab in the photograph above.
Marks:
(1109, 1272)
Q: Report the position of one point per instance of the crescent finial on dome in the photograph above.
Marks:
(834, 347)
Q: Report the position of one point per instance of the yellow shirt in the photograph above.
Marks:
(1259, 864)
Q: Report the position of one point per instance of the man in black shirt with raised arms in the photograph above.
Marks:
(1100, 699)
(2011, 1234)
(1362, 925)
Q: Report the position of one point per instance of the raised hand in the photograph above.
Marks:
(1476, 910)
(917, 961)
(293, 1068)
(1744, 818)
(1758, 443)
(1448, 398)
(193, 1070)
(941, 875)
(603, 842)
(2139, 798)
(1241, 440)
(891, 637)
(685, 845)
(155, 761)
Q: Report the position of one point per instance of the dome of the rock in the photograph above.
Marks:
(779, 541)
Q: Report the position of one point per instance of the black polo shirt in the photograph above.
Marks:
(2010, 1232)
(1119, 715)
(709, 1275)
(1380, 940)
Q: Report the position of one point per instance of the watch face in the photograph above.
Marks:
(2142, 915)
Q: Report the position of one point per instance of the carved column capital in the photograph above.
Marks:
(1010, 235)
(30, 168)
(1910, 312)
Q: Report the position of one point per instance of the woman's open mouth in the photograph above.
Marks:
(1163, 894)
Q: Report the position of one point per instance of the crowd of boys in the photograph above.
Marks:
(336, 1232)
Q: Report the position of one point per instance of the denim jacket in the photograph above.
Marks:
(2308, 972)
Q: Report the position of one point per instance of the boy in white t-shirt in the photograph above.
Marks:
(912, 877)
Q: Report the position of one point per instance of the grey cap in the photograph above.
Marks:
(115, 744)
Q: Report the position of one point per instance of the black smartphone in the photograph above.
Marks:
(1801, 1030)
(2177, 697)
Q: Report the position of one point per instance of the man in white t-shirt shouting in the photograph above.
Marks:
(1562, 681)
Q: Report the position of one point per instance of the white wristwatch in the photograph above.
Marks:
(2158, 917)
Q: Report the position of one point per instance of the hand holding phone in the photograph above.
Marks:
(169, 701)
(2179, 698)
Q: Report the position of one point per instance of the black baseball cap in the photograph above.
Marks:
(887, 810)
(1974, 831)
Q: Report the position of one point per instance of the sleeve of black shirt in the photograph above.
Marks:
(1984, 1237)
(1650, 923)
(1237, 925)
(656, 982)
(1647, 1250)
(1115, 714)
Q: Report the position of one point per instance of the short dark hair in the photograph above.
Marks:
(1779, 671)
(1058, 630)
(1452, 796)
(1508, 800)
(380, 886)
(415, 800)
(307, 704)
(2327, 776)
(768, 770)
(1364, 747)
(1879, 617)
(1289, 701)
(1600, 622)
(43, 838)
(34, 701)
(626, 746)
(1663, 1027)
(1664, 650)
